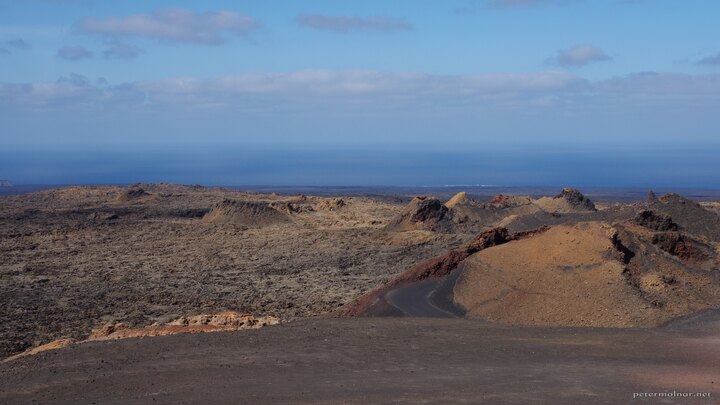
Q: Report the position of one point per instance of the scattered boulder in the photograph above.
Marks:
(245, 213)
(655, 222)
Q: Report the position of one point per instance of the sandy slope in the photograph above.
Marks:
(569, 275)
(580, 275)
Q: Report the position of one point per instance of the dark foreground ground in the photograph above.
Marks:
(373, 360)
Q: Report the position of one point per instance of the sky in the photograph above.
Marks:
(327, 92)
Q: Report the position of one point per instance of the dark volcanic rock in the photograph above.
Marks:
(428, 209)
(576, 199)
(655, 222)
(651, 197)
(690, 216)
(423, 213)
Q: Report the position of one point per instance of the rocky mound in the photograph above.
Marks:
(245, 213)
(655, 222)
(422, 213)
(5, 183)
(468, 213)
(291, 207)
(131, 194)
(502, 201)
(330, 204)
(689, 215)
(569, 200)
(586, 274)
(458, 199)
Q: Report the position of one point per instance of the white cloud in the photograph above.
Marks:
(349, 23)
(579, 56)
(18, 43)
(523, 3)
(375, 89)
(661, 87)
(74, 53)
(175, 25)
(122, 51)
(710, 61)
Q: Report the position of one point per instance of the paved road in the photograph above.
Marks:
(416, 300)
(379, 360)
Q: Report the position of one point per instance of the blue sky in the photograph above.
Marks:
(169, 81)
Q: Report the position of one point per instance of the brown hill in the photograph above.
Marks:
(245, 213)
(587, 274)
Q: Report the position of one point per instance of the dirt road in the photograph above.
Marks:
(373, 360)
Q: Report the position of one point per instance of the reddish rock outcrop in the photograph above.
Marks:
(499, 199)
(224, 321)
(678, 245)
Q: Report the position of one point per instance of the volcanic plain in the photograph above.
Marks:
(81, 267)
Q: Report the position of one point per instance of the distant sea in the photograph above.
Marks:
(540, 170)
(405, 193)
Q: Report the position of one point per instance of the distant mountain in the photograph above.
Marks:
(5, 183)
